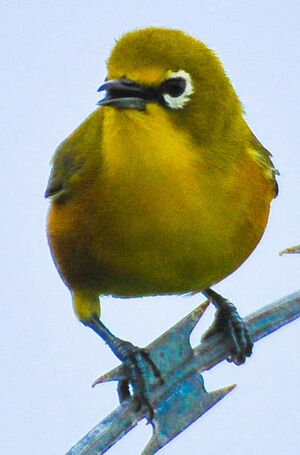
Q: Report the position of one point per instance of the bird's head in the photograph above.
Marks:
(175, 72)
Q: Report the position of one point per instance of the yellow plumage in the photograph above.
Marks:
(158, 200)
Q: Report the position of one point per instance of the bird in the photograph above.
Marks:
(162, 190)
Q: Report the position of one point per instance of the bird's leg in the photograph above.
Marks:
(136, 361)
(232, 325)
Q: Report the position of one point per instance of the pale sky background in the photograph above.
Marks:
(52, 61)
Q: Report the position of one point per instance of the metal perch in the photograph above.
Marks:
(182, 399)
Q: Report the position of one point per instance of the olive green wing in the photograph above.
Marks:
(64, 167)
(78, 158)
(264, 158)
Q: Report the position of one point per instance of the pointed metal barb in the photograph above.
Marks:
(291, 250)
(182, 399)
(168, 351)
(180, 408)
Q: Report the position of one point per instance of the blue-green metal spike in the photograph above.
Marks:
(182, 398)
(173, 348)
(169, 351)
(180, 407)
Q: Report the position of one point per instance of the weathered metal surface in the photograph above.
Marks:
(182, 399)
(292, 249)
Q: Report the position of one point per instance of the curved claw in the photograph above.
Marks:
(123, 390)
(138, 368)
(230, 323)
(137, 363)
(237, 330)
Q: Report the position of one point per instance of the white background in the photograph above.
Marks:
(52, 61)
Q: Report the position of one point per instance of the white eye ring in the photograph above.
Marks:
(178, 102)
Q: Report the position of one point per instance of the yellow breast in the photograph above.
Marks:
(160, 215)
(172, 220)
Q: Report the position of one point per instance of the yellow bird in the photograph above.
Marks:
(163, 189)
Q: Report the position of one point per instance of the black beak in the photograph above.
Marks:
(126, 94)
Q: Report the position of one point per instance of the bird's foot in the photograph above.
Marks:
(140, 370)
(138, 366)
(229, 322)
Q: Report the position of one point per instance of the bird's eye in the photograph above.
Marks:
(173, 86)
(176, 89)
